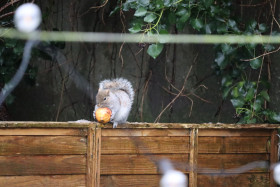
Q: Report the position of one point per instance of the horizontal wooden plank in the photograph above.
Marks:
(42, 145)
(254, 180)
(145, 132)
(35, 181)
(233, 144)
(43, 132)
(42, 165)
(228, 163)
(46, 124)
(130, 180)
(144, 125)
(234, 132)
(130, 145)
(139, 164)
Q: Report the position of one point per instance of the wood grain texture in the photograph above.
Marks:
(250, 180)
(36, 181)
(227, 163)
(145, 132)
(90, 151)
(42, 145)
(43, 132)
(130, 180)
(274, 154)
(139, 164)
(132, 145)
(97, 157)
(233, 144)
(235, 132)
(135, 125)
(193, 157)
(42, 165)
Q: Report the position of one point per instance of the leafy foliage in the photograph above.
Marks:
(247, 96)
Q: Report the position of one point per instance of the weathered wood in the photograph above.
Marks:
(193, 157)
(139, 164)
(42, 165)
(190, 125)
(42, 145)
(146, 132)
(132, 145)
(35, 181)
(90, 152)
(273, 154)
(43, 132)
(33, 124)
(97, 157)
(15, 124)
(224, 163)
(130, 180)
(253, 180)
(235, 132)
(233, 144)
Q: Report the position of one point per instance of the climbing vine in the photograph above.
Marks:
(235, 64)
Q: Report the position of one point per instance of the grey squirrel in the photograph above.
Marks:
(117, 95)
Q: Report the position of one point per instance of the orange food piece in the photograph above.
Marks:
(103, 115)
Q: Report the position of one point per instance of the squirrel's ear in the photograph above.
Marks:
(107, 92)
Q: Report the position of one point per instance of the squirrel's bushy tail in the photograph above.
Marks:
(118, 84)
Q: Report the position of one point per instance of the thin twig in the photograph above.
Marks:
(178, 95)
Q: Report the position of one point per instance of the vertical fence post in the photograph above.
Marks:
(193, 157)
(273, 154)
(93, 156)
(96, 157)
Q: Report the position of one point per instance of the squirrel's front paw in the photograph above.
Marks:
(115, 124)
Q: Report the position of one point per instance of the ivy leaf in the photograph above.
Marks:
(181, 12)
(207, 3)
(135, 29)
(257, 105)
(256, 63)
(226, 92)
(141, 11)
(250, 94)
(235, 93)
(276, 117)
(220, 60)
(222, 28)
(268, 47)
(144, 2)
(237, 103)
(197, 24)
(265, 95)
(262, 27)
(150, 18)
(155, 49)
(208, 29)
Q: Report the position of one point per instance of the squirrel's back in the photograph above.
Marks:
(118, 84)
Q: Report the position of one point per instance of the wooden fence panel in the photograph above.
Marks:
(93, 155)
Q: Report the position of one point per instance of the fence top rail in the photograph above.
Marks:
(134, 125)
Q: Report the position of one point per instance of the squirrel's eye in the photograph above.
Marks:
(104, 98)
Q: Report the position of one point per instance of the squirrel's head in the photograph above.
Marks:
(103, 98)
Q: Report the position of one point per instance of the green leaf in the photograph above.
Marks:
(154, 50)
(181, 12)
(265, 95)
(150, 18)
(257, 105)
(207, 3)
(275, 117)
(144, 2)
(220, 60)
(262, 27)
(268, 47)
(208, 29)
(250, 94)
(251, 120)
(226, 92)
(222, 28)
(117, 8)
(235, 93)
(197, 24)
(256, 63)
(135, 29)
(141, 11)
(237, 103)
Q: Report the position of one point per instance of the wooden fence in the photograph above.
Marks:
(89, 154)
